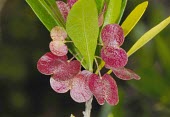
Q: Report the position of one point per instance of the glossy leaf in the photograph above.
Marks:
(82, 27)
(134, 17)
(148, 36)
(112, 12)
(47, 12)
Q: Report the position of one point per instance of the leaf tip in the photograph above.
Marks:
(146, 3)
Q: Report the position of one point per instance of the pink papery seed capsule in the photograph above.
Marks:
(67, 70)
(71, 3)
(64, 9)
(58, 33)
(80, 91)
(49, 62)
(112, 33)
(104, 88)
(125, 74)
(101, 16)
(100, 19)
(114, 56)
(58, 48)
(60, 86)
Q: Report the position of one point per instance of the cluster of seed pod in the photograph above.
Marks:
(112, 37)
(114, 56)
(66, 75)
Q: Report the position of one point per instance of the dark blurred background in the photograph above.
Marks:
(24, 92)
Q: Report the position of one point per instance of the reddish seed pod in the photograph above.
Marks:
(112, 33)
(58, 33)
(100, 19)
(104, 88)
(67, 70)
(125, 74)
(96, 86)
(101, 16)
(60, 86)
(58, 48)
(49, 62)
(71, 3)
(114, 56)
(64, 9)
(80, 91)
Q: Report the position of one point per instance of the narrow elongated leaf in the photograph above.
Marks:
(99, 4)
(113, 12)
(134, 17)
(47, 12)
(123, 6)
(148, 36)
(82, 27)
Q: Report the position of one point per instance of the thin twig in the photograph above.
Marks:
(97, 67)
(88, 108)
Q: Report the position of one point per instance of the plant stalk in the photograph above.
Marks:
(88, 107)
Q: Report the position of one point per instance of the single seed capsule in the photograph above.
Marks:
(71, 3)
(125, 74)
(114, 56)
(112, 33)
(49, 62)
(58, 48)
(64, 9)
(104, 88)
(60, 86)
(80, 91)
(58, 33)
(67, 70)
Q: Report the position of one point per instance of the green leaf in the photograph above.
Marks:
(47, 12)
(134, 17)
(82, 27)
(112, 12)
(148, 36)
(100, 4)
(123, 6)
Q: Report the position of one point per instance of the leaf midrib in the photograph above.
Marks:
(87, 47)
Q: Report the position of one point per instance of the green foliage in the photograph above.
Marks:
(113, 12)
(100, 4)
(123, 6)
(47, 12)
(149, 35)
(134, 17)
(82, 27)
